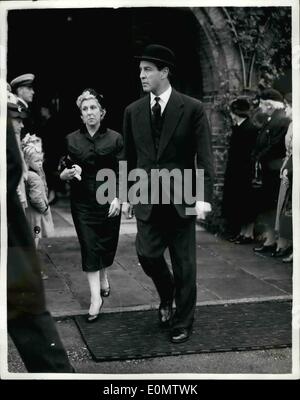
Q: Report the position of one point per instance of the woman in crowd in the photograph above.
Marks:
(90, 149)
(238, 197)
(283, 224)
(269, 153)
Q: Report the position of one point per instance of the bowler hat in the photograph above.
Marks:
(271, 94)
(22, 80)
(240, 107)
(157, 53)
(15, 111)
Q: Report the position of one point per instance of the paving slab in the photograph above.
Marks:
(225, 272)
(242, 286)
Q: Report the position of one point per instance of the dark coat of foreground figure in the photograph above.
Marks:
(30, 325)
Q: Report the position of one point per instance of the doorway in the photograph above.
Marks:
(72, 49)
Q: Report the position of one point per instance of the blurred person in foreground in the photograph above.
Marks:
(29, 324)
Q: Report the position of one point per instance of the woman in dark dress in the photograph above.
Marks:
(238, 195)
(97, 223)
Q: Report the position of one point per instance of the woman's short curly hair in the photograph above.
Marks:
(88, 94)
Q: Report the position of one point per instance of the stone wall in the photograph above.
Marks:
(222, 72)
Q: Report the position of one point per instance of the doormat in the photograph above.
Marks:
(217, 328)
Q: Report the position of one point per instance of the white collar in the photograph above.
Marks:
(238, 123)
(164, 97)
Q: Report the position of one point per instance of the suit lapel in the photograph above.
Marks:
(143, 119)
(173, 113)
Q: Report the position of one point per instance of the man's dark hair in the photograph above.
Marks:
(161, 65)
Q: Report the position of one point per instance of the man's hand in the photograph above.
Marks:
(114, 208)
(202, 209)
(127, 209)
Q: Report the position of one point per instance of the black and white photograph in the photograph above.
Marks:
(150, 195)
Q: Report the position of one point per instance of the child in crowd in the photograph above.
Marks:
(38, 212)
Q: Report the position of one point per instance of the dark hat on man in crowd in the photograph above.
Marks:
(22, 80)
(271, 94)
(157, 54)
(240, 107)
(15, 111)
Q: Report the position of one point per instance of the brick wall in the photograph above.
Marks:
(220, 135)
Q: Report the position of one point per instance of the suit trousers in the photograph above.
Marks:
(38, 342)
(166, 229)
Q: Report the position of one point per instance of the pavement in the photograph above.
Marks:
(226, 273)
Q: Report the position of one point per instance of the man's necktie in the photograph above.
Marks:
(156, 112)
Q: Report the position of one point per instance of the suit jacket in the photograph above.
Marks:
(185, 138)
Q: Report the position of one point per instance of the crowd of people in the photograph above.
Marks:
(164, 129)
(258, 180)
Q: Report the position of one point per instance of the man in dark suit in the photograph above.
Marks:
(166, 131)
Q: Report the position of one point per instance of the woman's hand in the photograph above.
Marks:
(67, 174)
(78, 170)
(114, 208)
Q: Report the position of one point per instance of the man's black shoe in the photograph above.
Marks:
(165, 313)
(180, 335)
(265, 249)
(282, 252)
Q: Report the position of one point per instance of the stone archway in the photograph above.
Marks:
(223, 72)
(222, 67)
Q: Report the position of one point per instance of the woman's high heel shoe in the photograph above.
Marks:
(93, 318)
(105, 292)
